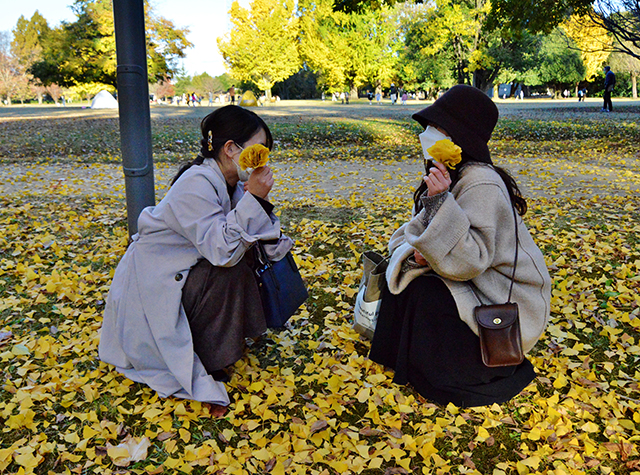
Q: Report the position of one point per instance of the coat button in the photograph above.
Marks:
(178, 277)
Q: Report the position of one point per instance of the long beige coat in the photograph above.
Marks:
(145, 333)
(471, 239)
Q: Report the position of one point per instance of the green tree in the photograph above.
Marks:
(262, 45)
(222, 82)
(183, 84)
(203, 84)
(619, 17)
(26, 47)
(425, 64)
(534, 16)
(84, 51)
(449, 39)
(360, 6)
(26, 44)
(560, 63)
(626, 63)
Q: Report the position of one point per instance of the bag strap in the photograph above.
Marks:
(515, 259)
(262, 260)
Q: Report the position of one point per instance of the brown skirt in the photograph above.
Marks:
(223, 307)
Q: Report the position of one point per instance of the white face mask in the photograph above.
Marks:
(243, 175)
(428, 139)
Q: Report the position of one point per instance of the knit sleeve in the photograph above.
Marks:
(431, 205)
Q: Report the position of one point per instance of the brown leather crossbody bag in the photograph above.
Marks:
(499, 326)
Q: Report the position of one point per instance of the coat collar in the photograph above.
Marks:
(238, 191)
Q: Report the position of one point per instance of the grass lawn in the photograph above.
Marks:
(307, 399)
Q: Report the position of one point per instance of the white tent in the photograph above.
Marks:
(104, 100)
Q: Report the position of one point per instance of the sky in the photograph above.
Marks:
(206, 20)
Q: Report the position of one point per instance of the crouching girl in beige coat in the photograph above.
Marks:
(184, 296)
(456, 253)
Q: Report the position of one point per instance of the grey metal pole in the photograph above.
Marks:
(133, 101)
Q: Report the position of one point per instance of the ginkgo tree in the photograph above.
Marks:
(262, 45)
(593, 41)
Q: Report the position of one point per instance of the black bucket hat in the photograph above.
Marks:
(468, 115)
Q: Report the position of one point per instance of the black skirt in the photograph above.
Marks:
(223, 307)
(420, 335)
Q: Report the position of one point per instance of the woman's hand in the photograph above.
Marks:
(438, 179)
(260, 182)
(419, 258)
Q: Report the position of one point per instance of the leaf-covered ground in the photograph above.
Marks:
(307, 399)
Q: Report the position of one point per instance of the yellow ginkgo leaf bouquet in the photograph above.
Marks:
(446, 152)
(254, 156)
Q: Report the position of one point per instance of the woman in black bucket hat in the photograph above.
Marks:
(456, 253)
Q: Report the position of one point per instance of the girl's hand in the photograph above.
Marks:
(438, 179)
(419, 258)
(260, 182)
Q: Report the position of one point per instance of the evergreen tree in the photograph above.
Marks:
(27, 35)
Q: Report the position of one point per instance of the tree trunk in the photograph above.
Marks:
(634, 84)
(353, 93)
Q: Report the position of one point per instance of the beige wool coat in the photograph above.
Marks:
(471, 242)
(145, 333)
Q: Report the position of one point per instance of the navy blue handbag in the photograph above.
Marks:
(282, 289)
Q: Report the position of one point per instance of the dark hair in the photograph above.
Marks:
(517, 200)
(227, 123)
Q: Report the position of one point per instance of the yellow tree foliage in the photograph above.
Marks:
(593, 40)
(320, 45)
(348, 50)
(262, 44)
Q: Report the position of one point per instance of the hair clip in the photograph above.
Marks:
(210, 141)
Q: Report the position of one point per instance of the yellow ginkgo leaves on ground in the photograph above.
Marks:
(307, 400)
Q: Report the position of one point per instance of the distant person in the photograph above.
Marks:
(609, 84)
(210, 98)
(232, 94)
(370, 97)
(378, 97)
(393, 93)
(582, 93)
(404, 97)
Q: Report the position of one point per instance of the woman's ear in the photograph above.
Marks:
(228, 148)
